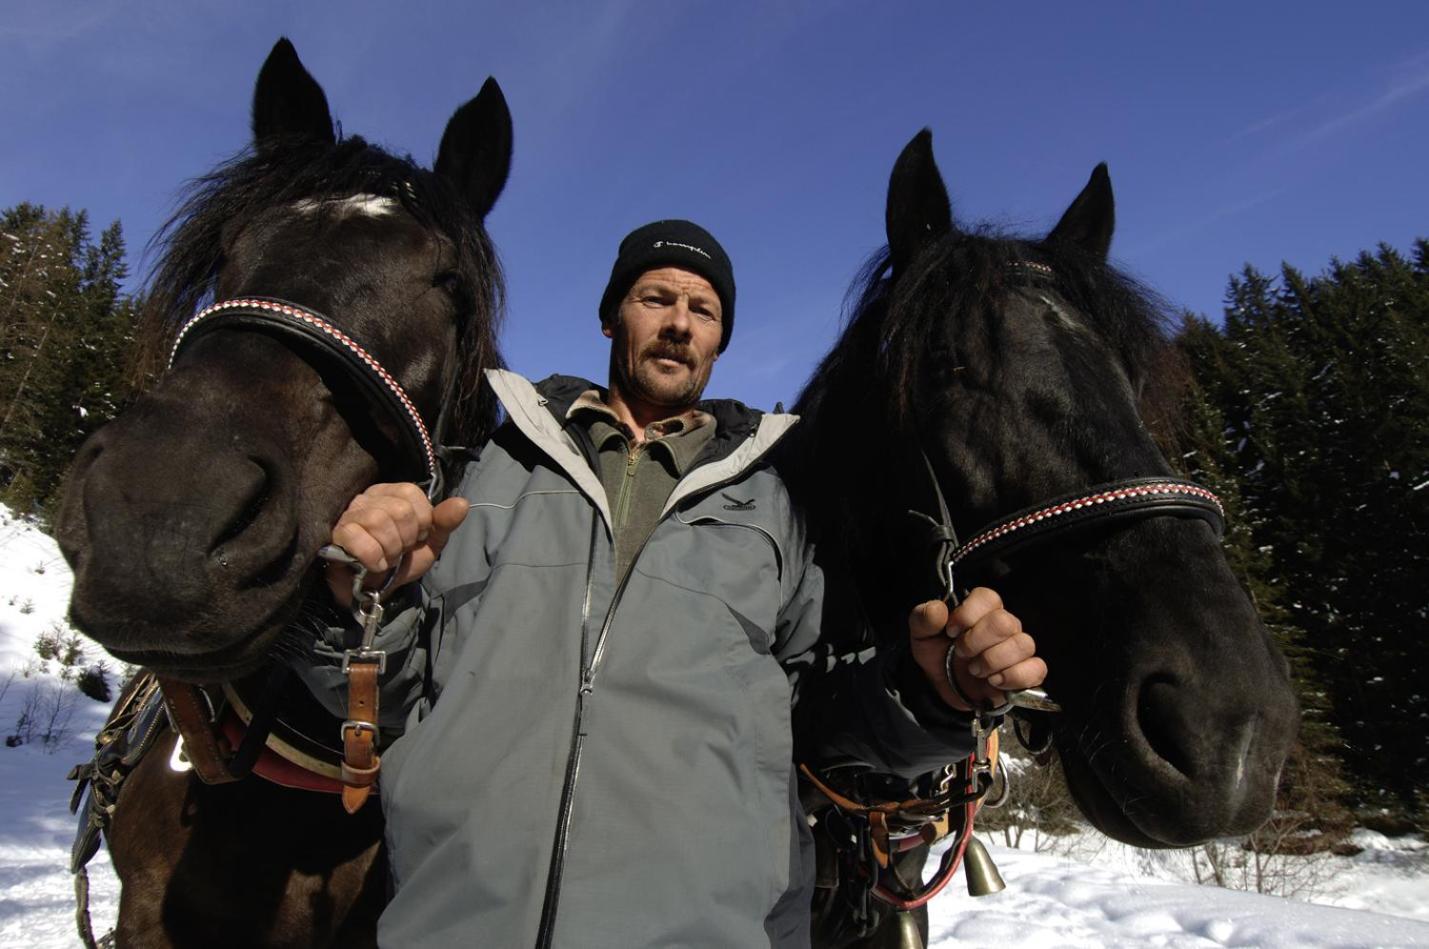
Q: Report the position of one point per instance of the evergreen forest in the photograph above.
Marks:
(66, 336)
(1306, 408)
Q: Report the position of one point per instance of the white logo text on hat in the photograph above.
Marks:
(682, 246)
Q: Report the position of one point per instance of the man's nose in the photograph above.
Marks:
(678, 320)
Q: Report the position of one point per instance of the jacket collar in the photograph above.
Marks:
(734, 421)
(742, 437)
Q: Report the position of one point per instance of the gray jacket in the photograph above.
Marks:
(587, 764)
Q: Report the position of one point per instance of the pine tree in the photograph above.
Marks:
(65, 334)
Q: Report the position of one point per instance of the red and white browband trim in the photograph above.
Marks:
(290, 313)
(1132, 493)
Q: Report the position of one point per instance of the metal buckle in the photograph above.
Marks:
(365, 655)
(353, 724)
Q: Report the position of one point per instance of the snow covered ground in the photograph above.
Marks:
(1093, 893)
(36, 829)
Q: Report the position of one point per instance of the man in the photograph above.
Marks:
(596, 678)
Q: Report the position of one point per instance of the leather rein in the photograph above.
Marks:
(223, 738)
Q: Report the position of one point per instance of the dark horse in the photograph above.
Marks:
(193, 522)
(1016, 367)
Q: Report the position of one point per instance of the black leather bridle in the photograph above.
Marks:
(1130, 499)
(299, 324)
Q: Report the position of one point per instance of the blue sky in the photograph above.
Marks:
(1235, 132)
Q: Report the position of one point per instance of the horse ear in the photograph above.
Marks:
(287, 101)
(918, 209)
(475, 153)
(1089, 221)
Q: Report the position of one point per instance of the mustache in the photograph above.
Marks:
(666, 349)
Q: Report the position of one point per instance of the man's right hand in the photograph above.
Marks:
(383, 523)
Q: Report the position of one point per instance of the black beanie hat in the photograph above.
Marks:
(673, 243)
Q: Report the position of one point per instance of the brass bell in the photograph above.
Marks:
(908, 935)
(981, 872)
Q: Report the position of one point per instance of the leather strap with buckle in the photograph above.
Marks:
(362, 666)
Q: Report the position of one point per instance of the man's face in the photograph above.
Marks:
(666, 337)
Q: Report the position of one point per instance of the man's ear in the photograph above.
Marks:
(606, 330)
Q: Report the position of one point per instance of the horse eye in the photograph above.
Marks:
(450, 282)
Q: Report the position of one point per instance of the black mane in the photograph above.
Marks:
(190, 245)
(885, 342)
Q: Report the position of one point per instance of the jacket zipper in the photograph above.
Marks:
(546, 932)
(557, 867)
(720, 522)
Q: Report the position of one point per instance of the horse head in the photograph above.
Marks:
(192, 522)
(1016, 368)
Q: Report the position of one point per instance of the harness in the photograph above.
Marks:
(133, 727)
(225, 734)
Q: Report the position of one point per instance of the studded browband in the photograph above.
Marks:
(1131, 499)
(279, 316)
(1097, 506)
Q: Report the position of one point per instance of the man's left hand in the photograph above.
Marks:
(992, 654)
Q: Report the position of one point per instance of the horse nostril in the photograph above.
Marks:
(1162, 722)
(252, 499)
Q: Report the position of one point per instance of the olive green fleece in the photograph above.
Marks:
(638, 478)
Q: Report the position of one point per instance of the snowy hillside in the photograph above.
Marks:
(1096, 894)
(36, 829)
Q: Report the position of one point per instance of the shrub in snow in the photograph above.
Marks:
(1038, 803)
(47, 644)
(94, 682)
(71, 655)
(66, 649)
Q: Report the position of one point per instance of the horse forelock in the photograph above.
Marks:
(350, 176)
